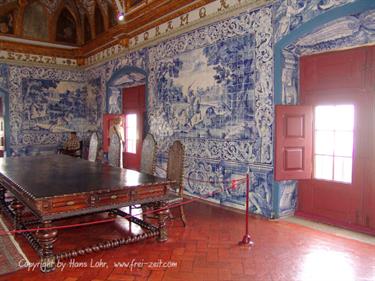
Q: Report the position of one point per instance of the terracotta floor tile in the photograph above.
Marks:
(118, 277)
(156, 276)
(207, 250)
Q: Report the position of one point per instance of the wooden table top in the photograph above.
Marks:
(56, 175)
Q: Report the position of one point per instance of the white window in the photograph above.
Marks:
(131, 133)
(333, 142)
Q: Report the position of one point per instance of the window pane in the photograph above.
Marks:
(334, 125)
(131, 146)
(323, 167)
(131, 133)
(323, 117)
(343, 169)
(344, 144)
(324, 142)
(344, 117)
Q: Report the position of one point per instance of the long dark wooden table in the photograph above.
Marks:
(58, 186)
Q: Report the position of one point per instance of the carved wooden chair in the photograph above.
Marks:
(148, 155)
(175, 172)
(93, 147)
(115, 151)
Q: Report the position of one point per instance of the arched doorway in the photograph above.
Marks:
(126, 98)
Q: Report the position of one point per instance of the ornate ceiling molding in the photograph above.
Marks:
(192, 19)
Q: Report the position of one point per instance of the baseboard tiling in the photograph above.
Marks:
(362, 237)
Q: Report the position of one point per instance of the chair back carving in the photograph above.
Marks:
(148, 155)
(93, 147)
(115, 151)
(175, 167)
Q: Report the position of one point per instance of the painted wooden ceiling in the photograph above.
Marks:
(80, 28)
(72, 22)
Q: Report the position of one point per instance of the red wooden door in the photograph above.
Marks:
(335, 85)
(369, 194)
(133, 109)
(2, 130)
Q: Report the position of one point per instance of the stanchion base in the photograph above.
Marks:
(246, 241)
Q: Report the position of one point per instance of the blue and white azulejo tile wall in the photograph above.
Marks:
(212, 88)
(45, 104)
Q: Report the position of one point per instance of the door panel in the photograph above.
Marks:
(334, 72)
(338, 79)
(293, 142)
(369, 195)
(134, 109)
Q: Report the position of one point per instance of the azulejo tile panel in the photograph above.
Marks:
(229, 83)
(289, 15)
(106, 71)
(3, 76)
(223, 182)
(212, 89)
(44, 103)
(350, 31)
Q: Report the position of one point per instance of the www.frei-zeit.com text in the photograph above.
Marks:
(132, 264)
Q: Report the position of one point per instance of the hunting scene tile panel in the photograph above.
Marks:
(212, 89)
(56, 106)
(215, 83)
(209, 92)
(45, 104)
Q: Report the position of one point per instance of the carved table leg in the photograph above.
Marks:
(18, 209)
(2, 196)
(46, 239)
(162, 217)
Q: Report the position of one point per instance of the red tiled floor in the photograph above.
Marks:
(207, 250)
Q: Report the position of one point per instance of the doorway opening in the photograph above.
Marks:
(134, 109)
(341, 190)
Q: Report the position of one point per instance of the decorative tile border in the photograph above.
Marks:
(35, 60)
(289, 15)
(201, 16)
(106, 54)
